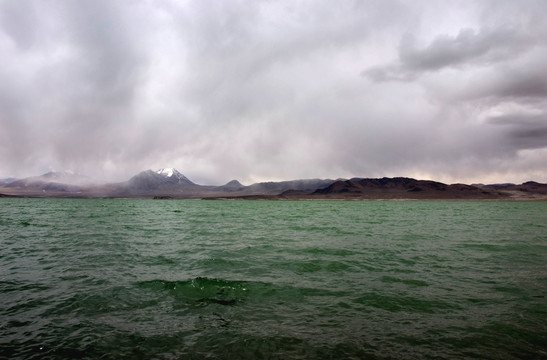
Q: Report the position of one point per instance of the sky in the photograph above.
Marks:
(454, 91)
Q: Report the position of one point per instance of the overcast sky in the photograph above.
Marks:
(454, 91)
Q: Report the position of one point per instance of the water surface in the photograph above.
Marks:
(272, 279)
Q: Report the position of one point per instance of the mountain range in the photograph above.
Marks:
(170, 183)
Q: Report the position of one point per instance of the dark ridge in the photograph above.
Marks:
(363, 185)
(529, 186)
(233, 185)
(401, 187)
(293, 192)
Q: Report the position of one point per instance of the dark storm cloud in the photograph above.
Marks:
(494, 68)
(523, 131)
(271, 90)
(467, 48)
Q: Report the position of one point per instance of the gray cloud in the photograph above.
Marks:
(523, 131)
(467, 48)
(272, 90)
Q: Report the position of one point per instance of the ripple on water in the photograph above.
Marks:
(193, 279)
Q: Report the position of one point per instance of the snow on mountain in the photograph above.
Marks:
(173, 173)
(150, 180)
(167, 172)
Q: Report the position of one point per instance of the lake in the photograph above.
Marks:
(193, 279)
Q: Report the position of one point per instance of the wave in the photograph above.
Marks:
(202, 290)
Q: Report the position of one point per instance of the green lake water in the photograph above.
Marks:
(192, 279)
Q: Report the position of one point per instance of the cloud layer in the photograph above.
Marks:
(275, 90)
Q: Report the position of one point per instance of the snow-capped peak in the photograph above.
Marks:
(167, 172)
(173, 175)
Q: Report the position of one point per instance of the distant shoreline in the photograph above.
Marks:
(283, 198)
(172, 184)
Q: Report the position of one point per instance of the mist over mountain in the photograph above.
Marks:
(6, 181)
(170, 183)
(61, 177)
(529, 186)
(67, 182)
